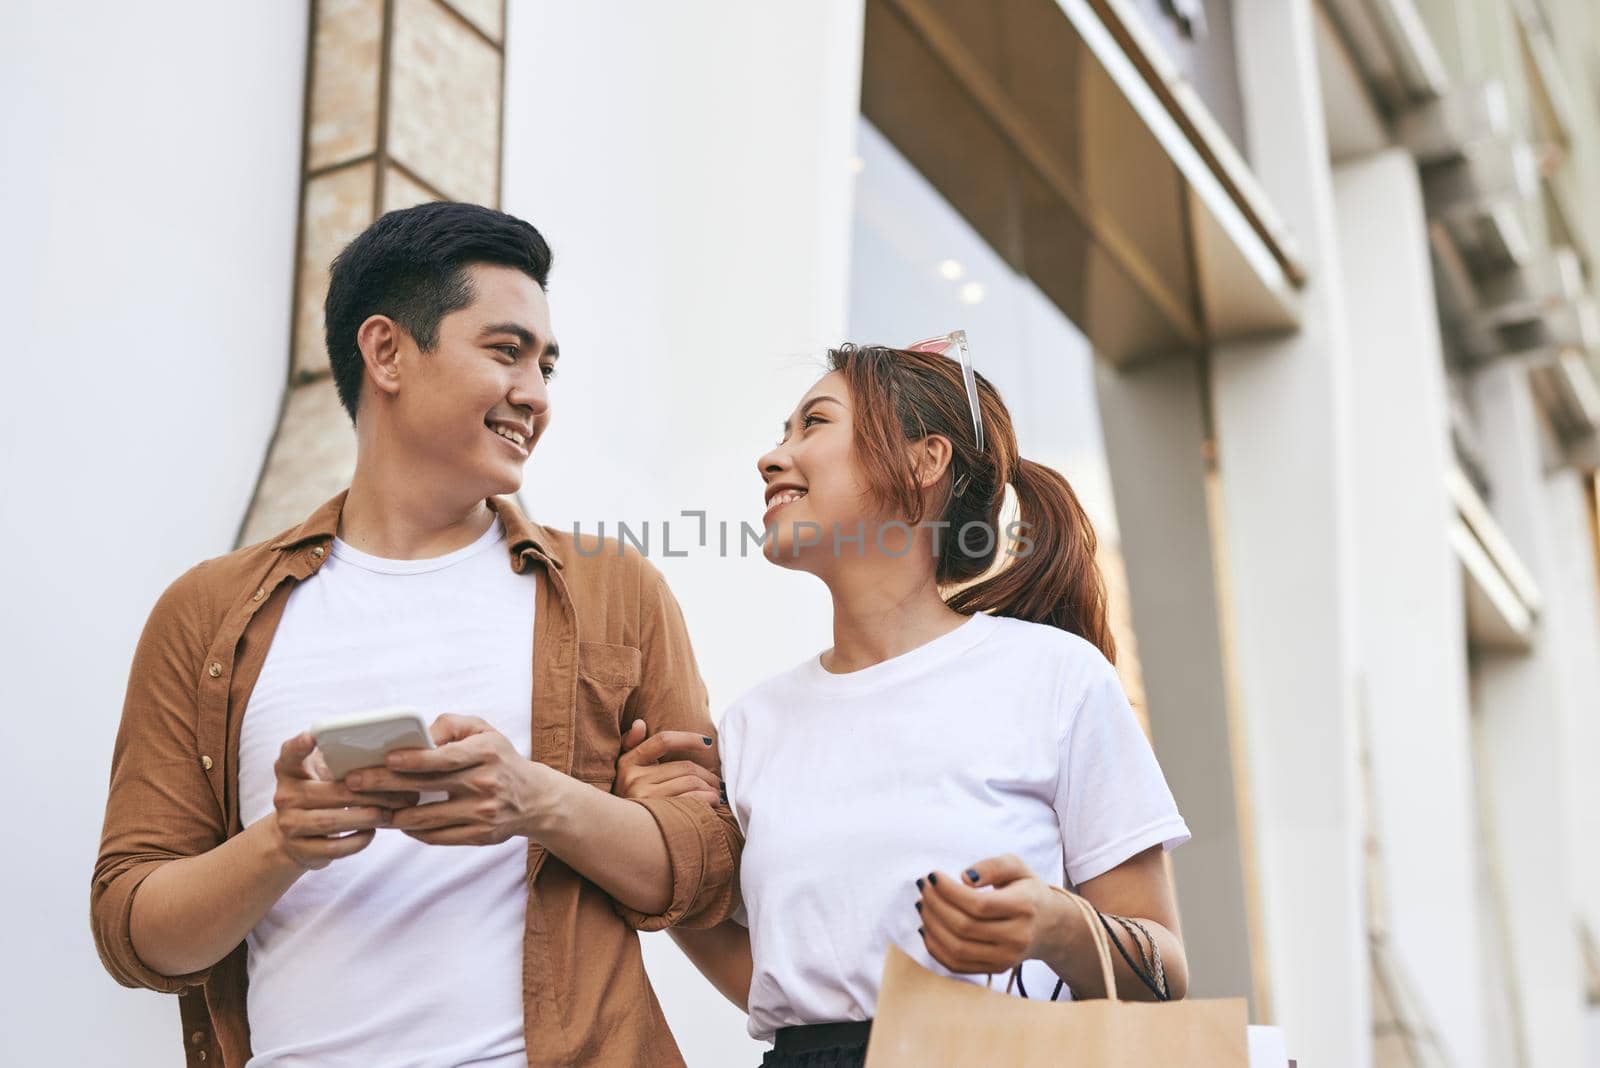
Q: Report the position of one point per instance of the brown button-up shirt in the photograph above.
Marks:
(609, 647)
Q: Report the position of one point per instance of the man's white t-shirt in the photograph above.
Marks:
(1001, 736)
(404, 954)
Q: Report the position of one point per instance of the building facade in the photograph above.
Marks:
(1298, 293)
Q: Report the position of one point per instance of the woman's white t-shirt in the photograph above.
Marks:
(1001, 736)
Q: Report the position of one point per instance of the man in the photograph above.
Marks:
(310, 921)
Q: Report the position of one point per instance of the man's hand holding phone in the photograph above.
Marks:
(318, 819)
(492, 791)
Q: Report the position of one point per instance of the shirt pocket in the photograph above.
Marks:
(607, 674)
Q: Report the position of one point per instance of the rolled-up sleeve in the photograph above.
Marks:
(703, 841)
(160, 807)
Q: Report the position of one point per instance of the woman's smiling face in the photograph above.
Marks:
(813, 485)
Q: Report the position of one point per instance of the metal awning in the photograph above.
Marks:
(1540, 314)
(1564, 384)
(1391, 45)
(1058, 129)
(1502, 599)
(1478, 194)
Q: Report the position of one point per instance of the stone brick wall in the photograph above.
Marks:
(403, 103)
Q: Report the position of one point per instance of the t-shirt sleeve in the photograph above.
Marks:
(1112, 800)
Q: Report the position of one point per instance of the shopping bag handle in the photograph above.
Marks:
(1097, 932)
(1091, 917)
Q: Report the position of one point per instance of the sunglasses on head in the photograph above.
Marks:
(955, 344)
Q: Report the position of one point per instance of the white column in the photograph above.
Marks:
(1283, 433)
(1572, 622)
(1525, 730)
(689, 164)
(1152, 415)
(1412, 639)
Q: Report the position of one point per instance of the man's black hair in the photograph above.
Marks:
(411, 265)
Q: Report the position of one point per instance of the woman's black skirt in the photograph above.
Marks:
(835, 1045)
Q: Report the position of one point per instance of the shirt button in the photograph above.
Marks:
(201, 1055)
(262, 592)
(215, 670)
(205, 762)
(198, 1037)
(318, 552)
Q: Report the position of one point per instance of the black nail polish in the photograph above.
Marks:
(972, 874)
(919, 906)
(919, 884)
(921, 932)
(932, 878)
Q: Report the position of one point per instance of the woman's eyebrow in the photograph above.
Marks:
(808, 405)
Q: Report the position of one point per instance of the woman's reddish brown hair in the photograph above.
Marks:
(902, 396)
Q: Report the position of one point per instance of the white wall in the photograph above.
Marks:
(149, 188)
(689, 164)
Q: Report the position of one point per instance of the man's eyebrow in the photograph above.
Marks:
(808, 405)
(521, 333)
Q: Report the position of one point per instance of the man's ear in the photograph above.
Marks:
(379, 339)
(931, 457)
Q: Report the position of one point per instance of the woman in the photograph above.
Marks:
(963, 746)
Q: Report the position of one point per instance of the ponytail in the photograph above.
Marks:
(1053, 577)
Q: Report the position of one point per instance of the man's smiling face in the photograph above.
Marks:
(472, 409)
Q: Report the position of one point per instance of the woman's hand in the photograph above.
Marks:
(668, 764)
(969, 929)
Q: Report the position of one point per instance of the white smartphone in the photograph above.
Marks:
(362, 740)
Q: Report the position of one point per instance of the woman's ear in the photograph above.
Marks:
(378, 338)
(931, 457)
